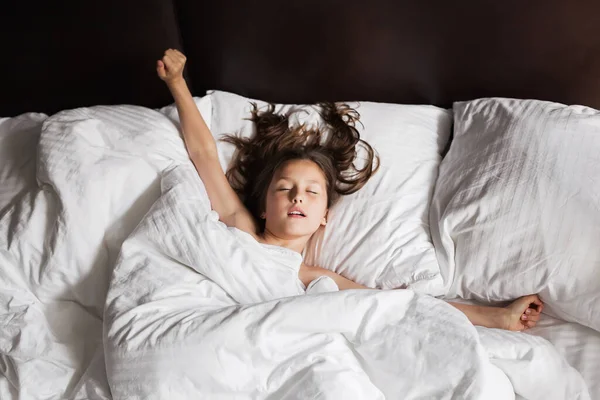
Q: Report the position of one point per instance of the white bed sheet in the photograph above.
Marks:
(580, 346)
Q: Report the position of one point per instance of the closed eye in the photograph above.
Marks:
(310, 191)
(282, 189)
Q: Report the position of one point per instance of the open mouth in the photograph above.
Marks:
(296, 214)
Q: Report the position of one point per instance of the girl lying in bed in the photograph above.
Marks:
(290, 177)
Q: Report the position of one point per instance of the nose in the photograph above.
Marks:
(296, 197)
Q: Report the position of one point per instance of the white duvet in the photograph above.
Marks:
(196, 310)
(93, 178)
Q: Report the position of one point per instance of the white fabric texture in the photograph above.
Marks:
(196, 310)
(517, 206)
(579, 345)
(97, 174)
(18, 142)
(378, 236)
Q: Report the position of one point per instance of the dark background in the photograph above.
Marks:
(59, 55)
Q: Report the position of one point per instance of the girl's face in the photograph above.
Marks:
(296, 201)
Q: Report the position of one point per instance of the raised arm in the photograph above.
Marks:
(201, 146)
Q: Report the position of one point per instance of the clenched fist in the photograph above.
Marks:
(170, 67)
(523, 313)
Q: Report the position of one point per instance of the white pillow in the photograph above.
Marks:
(517, 205)
(378, 236)
(18, 145)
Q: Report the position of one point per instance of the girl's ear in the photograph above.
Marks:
(324, 219)
(263, 216)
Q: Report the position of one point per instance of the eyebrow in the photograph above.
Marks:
(308, 180)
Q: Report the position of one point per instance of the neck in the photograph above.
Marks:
(296, 244)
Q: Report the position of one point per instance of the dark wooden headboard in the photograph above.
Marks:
(59, 55)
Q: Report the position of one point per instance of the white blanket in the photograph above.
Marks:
(94, 176)
(198, 310)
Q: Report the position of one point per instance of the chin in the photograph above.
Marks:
(297, 231)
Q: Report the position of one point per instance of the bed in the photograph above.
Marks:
(485, 117)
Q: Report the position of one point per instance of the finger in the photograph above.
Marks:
(534, 318)
(176, 55)
(536, 300)
(168, 57)
(165, 62)
(531, 317)
(174, 61)
(532, 311)
(180, 54)
(160, 68)
(170, 64)
(170, 53)
(530, 324)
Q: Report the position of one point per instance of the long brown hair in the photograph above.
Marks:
(333, 147)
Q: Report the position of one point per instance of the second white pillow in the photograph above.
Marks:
(517, 205)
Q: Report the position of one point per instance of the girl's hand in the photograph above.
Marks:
(170, 68)
(523, 313)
